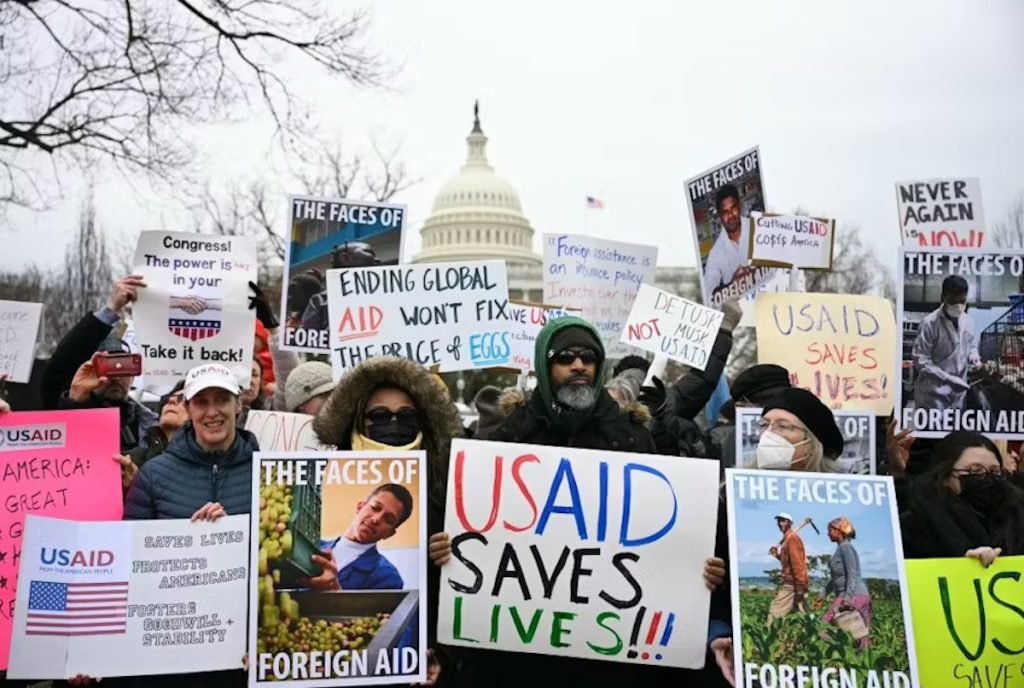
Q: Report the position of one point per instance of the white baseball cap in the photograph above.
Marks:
(780, 515)
(209, 375)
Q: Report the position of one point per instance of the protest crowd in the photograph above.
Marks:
(955, 492)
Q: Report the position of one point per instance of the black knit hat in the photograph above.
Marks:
(812, 413)
(757, 383)
(576, 336)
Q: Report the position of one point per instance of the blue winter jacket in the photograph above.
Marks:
(370, 571)
(178, 482)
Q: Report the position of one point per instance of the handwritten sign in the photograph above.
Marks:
(841, 616)
(600, 278)
(280, 431)
(55, 463)
(195, 307)
(840, 347)
(858, 428)
(19, 327)
(968, 623)
(130, 598)
(450, 315)
(578, 553)
(663, 323)
(941, 212)
(792, 241)
(525, 322)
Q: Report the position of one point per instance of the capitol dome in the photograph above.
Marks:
(477, 215)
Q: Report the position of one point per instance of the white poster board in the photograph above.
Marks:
(943, 213)
(792, 241)
(130, 598)
(857, 427)
(600, 278)
(610, 550)
(525, 321)
(450, 315)
(667, 324)
(195, 307)
(19, 327)
(281, 431)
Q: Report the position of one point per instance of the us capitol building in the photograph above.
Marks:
(477, 216)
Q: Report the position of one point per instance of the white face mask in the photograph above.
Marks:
(775, 452)
(954, 310)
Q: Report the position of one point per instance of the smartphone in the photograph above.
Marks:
(118, 365)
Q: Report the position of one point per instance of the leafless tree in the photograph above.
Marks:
(337, 173)
(83, 284)
(1009, 233)
(856, 268)
(96, 80)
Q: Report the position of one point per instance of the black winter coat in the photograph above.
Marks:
(184, 478)
(74, 349)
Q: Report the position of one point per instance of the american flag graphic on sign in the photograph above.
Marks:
(193, 329)
(69, 609)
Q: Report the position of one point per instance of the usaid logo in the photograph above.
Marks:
(40, 436)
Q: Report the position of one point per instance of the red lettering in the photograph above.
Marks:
(516, 467)
(460, 507)
(813, 348)
(869, 354)
(848, 385)
(79, 559)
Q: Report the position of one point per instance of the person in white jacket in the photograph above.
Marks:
(945, 348)
(730, 252)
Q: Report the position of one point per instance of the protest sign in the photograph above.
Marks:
(280, 431)
(130, 598)
(838, 346)
(330, 233)
(858, 428)
(663, 323)
(55, 463)
(450, 315)
(600, 278)
(368, 623)
(720, 201)
(195, 307)
(578, 553)
(801, 613)
(525, 321)
(945, 213)
(968, 621)
(19, 327)
(792, 241)
(961, 371)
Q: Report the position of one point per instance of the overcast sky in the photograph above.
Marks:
(624, 101)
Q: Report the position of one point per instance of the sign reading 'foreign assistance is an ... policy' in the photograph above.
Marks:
(578, 553)
(451, 315)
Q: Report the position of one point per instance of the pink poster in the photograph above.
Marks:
(54, 463)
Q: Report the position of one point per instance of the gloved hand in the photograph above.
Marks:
(263, 310)
(654, 397)
(733, 313)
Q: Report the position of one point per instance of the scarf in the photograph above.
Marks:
(361, 442)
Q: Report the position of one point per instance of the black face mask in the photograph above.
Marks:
(393, 433)
(983, 492)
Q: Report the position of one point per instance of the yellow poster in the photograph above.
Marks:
(968, 622)
(841, 347)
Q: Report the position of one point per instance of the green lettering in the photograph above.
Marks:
(947, 610)
(457, 622)
(556, 628)
(1015, 576)
(495, 618)
(617, 647)
(526, 634)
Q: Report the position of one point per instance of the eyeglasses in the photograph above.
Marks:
(381, 415)
(978, 470)
(779, 426)
(175, 398)
(568, 357)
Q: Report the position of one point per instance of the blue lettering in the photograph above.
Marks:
(627, 499)
(564, 472)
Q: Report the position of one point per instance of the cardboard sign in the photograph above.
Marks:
(968, 623)
(280, 431)
(943, 213)
(450, 315)
(837, 346)
(801, 615)
(600, 278)
(968, 375)
(792, 241)
(195, 307)
(55, 463)
(720, 201)
(19, 327)
(322, 229)
(130, 598)
(663, 323)
(858, 428)
(525, 321)
(368, 623)
(578, 553)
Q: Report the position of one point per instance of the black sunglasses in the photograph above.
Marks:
(568, 356)
(381, 415)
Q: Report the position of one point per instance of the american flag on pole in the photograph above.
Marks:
(69, 609)
(594, 202)
(193, 329)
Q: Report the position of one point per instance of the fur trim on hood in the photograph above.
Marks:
(513, 398)
(336, 420)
